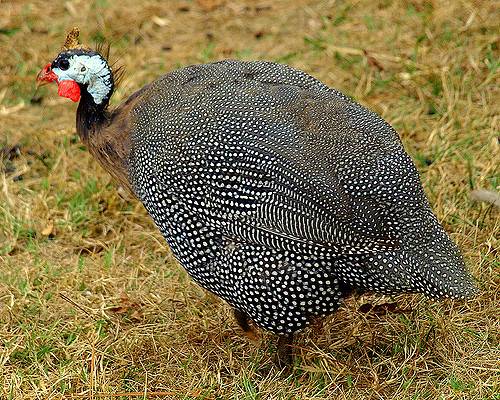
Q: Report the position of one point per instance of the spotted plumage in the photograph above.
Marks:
(275, 192)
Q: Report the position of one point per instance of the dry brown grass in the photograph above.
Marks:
(91, 302)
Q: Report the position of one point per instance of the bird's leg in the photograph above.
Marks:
(284, 351)
(243, 321)
(316, 324)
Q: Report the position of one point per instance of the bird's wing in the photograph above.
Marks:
(263, 159)
(274, 203)
(284, 205)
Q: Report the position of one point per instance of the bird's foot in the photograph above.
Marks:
(244, 323)
(284, 352)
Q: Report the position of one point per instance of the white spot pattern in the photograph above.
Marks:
(280, 194)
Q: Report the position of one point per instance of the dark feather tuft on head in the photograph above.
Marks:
(104, 49)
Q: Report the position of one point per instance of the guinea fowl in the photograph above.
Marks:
(274, 191)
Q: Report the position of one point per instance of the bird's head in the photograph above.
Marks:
(77, 69)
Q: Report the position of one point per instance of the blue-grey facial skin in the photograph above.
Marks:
(86, 68)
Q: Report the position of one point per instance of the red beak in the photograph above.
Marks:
(66, 88)
(46, 75)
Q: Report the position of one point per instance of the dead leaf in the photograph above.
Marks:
(210, 5)
(160, 21)
(486, 196)
(372, 61)
(49, 229)
(128, 308)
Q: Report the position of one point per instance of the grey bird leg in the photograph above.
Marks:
(243, 321)
(284, 351)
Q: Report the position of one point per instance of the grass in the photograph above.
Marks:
(92, 303)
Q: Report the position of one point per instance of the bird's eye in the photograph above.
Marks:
(64, 64)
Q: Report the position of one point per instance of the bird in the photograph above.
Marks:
(275, 192)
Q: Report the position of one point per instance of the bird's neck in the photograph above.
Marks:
(108, 143)
(90, 117)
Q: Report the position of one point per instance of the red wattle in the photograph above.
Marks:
(69, 89)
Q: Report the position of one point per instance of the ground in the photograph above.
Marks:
(92, 303)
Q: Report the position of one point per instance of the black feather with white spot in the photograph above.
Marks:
(278, 193)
